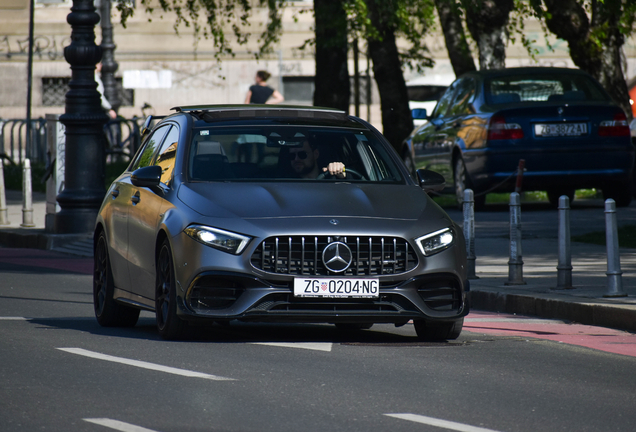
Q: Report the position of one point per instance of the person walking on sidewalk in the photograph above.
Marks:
(261, 93)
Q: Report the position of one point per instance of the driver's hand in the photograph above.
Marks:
(336, 169)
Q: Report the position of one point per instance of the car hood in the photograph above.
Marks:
(296, 199)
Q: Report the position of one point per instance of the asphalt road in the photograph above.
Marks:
(60, 371)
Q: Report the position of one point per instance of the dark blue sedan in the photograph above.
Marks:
(561, 122)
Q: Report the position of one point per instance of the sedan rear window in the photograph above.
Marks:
(543, 87)
(288, 153)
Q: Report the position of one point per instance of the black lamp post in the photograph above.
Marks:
(109, 65)
(84, 120)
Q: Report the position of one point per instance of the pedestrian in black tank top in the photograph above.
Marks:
(261, 93)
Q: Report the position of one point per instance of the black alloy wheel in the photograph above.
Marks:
(108, 312)
(170, 326)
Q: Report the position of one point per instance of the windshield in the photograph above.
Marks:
(542, 87)
(289, 153)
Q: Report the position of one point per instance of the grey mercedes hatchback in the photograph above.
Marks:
(276, 214)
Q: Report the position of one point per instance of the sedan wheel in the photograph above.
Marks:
(170, 326)
(434, 331)
(108, 312)
(462, 183)
(554, 195)
(621, 194)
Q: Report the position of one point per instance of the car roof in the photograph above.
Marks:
(525, 71)
(268, 113)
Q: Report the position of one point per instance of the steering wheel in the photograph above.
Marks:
(348, 171)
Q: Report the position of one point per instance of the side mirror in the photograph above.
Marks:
(430, 181)
(149, 176)
(419, 114)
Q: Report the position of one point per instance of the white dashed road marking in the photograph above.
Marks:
(444, 424)
(14, 318)
(118, 425)
(316, 346)
(144, 365)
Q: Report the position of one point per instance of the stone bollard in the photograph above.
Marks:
(564, 266)
(614, 273)
(469, 232)
(4, 214)
(27, 196)
(515, 264)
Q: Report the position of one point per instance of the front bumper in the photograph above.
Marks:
(224, 296)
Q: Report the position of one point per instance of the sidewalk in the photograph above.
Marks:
(584, 304)
(15, 236)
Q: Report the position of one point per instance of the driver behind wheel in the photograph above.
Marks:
(304, 162)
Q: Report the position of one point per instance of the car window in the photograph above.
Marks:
(149, 147)
(167, 154)
(288, 153)
(464, 96)
(537, 87)
(444, 103)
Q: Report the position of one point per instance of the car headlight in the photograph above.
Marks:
(226, 241)
(435, 242)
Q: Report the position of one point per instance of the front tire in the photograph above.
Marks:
(108, 312)
(169, 325)
(435, 331)
(462, 182)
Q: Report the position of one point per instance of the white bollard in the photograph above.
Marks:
(27, 196)
(469, 233)
(515, 264)
(614, 273)
(564, 266)
(4, 213)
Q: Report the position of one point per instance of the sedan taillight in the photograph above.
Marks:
(498, 129)
(614, 128)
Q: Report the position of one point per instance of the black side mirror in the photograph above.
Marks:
(147, 176)
(430, 181)
(419, 114)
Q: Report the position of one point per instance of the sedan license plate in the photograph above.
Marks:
(560, 129)
(337, 287)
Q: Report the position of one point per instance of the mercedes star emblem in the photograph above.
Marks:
(337, 257)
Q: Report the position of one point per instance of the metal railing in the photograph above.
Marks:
(122, 138)
(13, 140)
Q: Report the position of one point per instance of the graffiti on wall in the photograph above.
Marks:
(44, 47)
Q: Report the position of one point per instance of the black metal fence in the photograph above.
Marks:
(122, 138)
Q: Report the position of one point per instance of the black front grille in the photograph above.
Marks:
(300, 255)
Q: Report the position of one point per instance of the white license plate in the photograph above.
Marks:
(337, 287)
(560, 129)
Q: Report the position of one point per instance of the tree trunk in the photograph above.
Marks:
(487, 21)
(458, 51)
(387, 70)
(332, 88)
(570, 22)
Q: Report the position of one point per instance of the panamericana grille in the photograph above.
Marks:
(302, 255)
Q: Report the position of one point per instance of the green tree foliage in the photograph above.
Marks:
(595, 31)
(225, 22)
